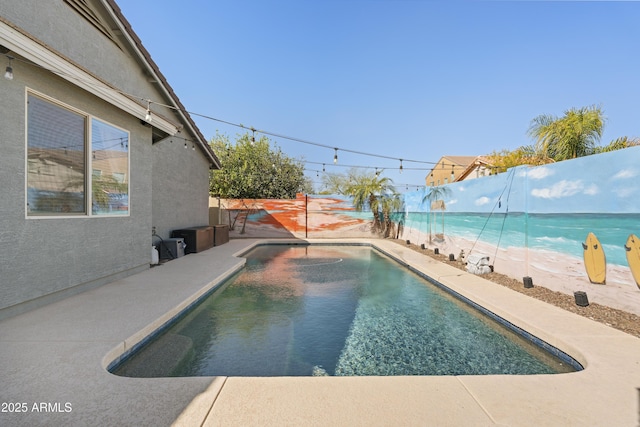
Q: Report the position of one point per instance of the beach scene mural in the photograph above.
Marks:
(535, 222)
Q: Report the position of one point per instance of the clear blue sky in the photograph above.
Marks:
(406, 79)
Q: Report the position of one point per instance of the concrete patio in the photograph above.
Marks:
(57, 356)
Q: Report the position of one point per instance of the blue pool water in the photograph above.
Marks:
(334, 310)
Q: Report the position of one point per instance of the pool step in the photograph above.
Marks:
(159, 359)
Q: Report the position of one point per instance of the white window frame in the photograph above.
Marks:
(88, 173)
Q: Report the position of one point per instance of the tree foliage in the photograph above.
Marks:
(525, 155)
(255, 170)
(618, 144)
(576, 134)
(337, 183)
(368, 190)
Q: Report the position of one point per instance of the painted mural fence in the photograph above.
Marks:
(535, 222)
(306, 216)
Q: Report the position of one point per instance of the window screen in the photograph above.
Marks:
(56, 159)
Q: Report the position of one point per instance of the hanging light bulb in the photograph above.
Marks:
(193, 147)
(253, 137)
(8, 74)
(185, 145)
(335, 156)
(400, 165)
(147, 117)
(323, 168)
(453, 175)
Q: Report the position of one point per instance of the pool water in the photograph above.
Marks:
(334, 310)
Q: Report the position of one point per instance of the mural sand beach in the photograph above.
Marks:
(554, 270)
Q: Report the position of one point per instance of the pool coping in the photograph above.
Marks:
(68, 357)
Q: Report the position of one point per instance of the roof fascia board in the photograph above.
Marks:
(44, 57)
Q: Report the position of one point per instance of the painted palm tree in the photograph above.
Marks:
(369, 190)
(435, 195)
(576, 134)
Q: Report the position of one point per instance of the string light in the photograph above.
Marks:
(149, 117)
(382, 168)
(400, 165)
(8, 74)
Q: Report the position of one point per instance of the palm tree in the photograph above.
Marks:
(618, 144)
(435, 194)
(389, 203)
(368, 190)
(573, 135)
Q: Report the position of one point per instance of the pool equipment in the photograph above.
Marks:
(172, 248)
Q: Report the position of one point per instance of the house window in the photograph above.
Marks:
(109, 190)
(58, 140)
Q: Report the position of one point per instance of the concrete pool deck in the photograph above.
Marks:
(53, 364)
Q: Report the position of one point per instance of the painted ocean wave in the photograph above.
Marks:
(556, 232)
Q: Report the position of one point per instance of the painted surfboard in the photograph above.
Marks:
(633, 256)
(594, 260)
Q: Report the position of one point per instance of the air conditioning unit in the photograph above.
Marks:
(172, 248)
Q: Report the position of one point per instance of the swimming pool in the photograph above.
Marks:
(300, 310)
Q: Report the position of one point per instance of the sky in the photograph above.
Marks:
(396, 79)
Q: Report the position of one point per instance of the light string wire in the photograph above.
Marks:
(149, 102)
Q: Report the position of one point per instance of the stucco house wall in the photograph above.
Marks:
(181, 187)
(43, 259)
